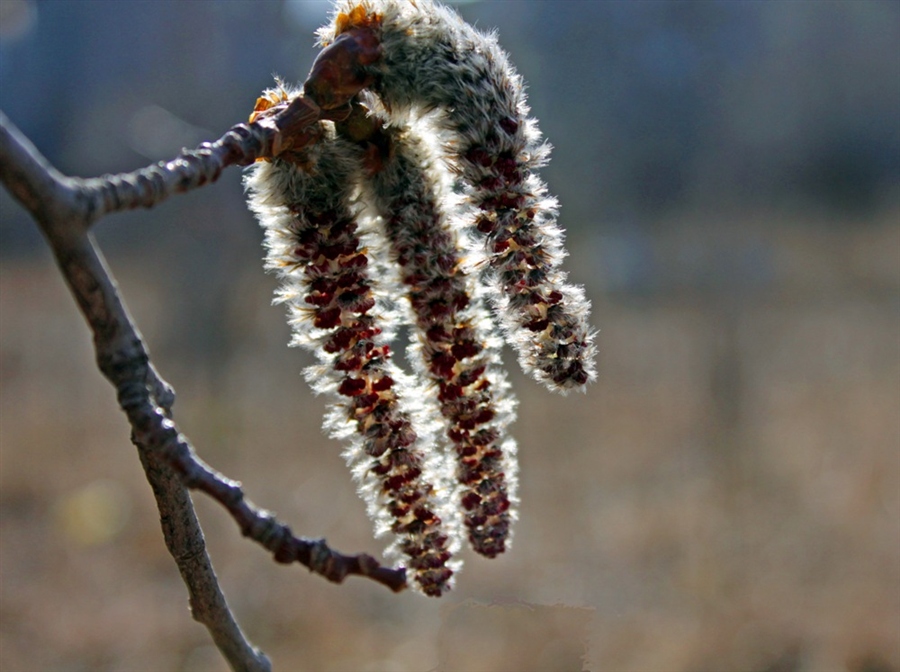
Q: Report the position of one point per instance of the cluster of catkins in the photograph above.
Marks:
(420, 205)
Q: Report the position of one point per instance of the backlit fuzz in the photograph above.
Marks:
(429, 58)
(456, 345)
(405, 105)
(304, 200)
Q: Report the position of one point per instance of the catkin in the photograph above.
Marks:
(456, 344)
(313, 243)
(432, 60)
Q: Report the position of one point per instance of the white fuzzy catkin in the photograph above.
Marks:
(455, 344)
(359, 214)
(314, 242)
(431, 59)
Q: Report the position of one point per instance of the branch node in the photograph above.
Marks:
(325, 562)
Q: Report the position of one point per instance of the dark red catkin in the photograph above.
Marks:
(455, 340)
(313, 241)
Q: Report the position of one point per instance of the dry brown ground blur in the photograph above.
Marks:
(725, 498)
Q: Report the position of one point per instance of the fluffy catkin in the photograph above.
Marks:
(314, 244)
(431, 59)
(456, 347)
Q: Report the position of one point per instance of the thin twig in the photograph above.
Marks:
(243, 144)
(64, 208)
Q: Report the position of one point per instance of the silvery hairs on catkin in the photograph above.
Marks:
(454, 344)
(319, 246)
(431, 59)
(359, 218)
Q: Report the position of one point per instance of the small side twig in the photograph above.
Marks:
(84, 201)
(153, 430)
(64, 209)
(192, 169)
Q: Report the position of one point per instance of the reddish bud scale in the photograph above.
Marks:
(352, 387)
(451, 337)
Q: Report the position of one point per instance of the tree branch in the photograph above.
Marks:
(56, 201)
(64, 208)
(149, 186)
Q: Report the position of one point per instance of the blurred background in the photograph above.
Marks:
(725, 498)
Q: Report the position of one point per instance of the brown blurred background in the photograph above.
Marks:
(725, 498)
